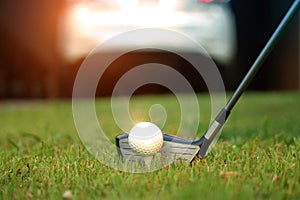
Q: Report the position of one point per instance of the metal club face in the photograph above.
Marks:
(173, 148)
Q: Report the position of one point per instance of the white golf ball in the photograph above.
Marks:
(145, 138)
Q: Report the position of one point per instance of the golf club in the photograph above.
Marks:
(175, 147)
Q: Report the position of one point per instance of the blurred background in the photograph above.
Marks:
(43, 43)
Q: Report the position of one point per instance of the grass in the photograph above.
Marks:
(257, 156)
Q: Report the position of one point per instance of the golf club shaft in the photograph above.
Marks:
(263, 55)
(217, 124)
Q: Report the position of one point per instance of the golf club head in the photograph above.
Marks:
(174, 148)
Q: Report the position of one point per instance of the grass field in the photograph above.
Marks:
(257, 156)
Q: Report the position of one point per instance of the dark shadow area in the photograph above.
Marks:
(32, 67)
(133, 59)
(256, 21)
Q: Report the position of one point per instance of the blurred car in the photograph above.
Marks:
(209, 22)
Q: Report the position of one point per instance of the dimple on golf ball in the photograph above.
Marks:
(145, 138)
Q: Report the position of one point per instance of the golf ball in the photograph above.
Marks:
(145, 138)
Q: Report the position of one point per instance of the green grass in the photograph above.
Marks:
(257, 156)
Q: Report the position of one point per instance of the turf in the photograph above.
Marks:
(257, 156)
